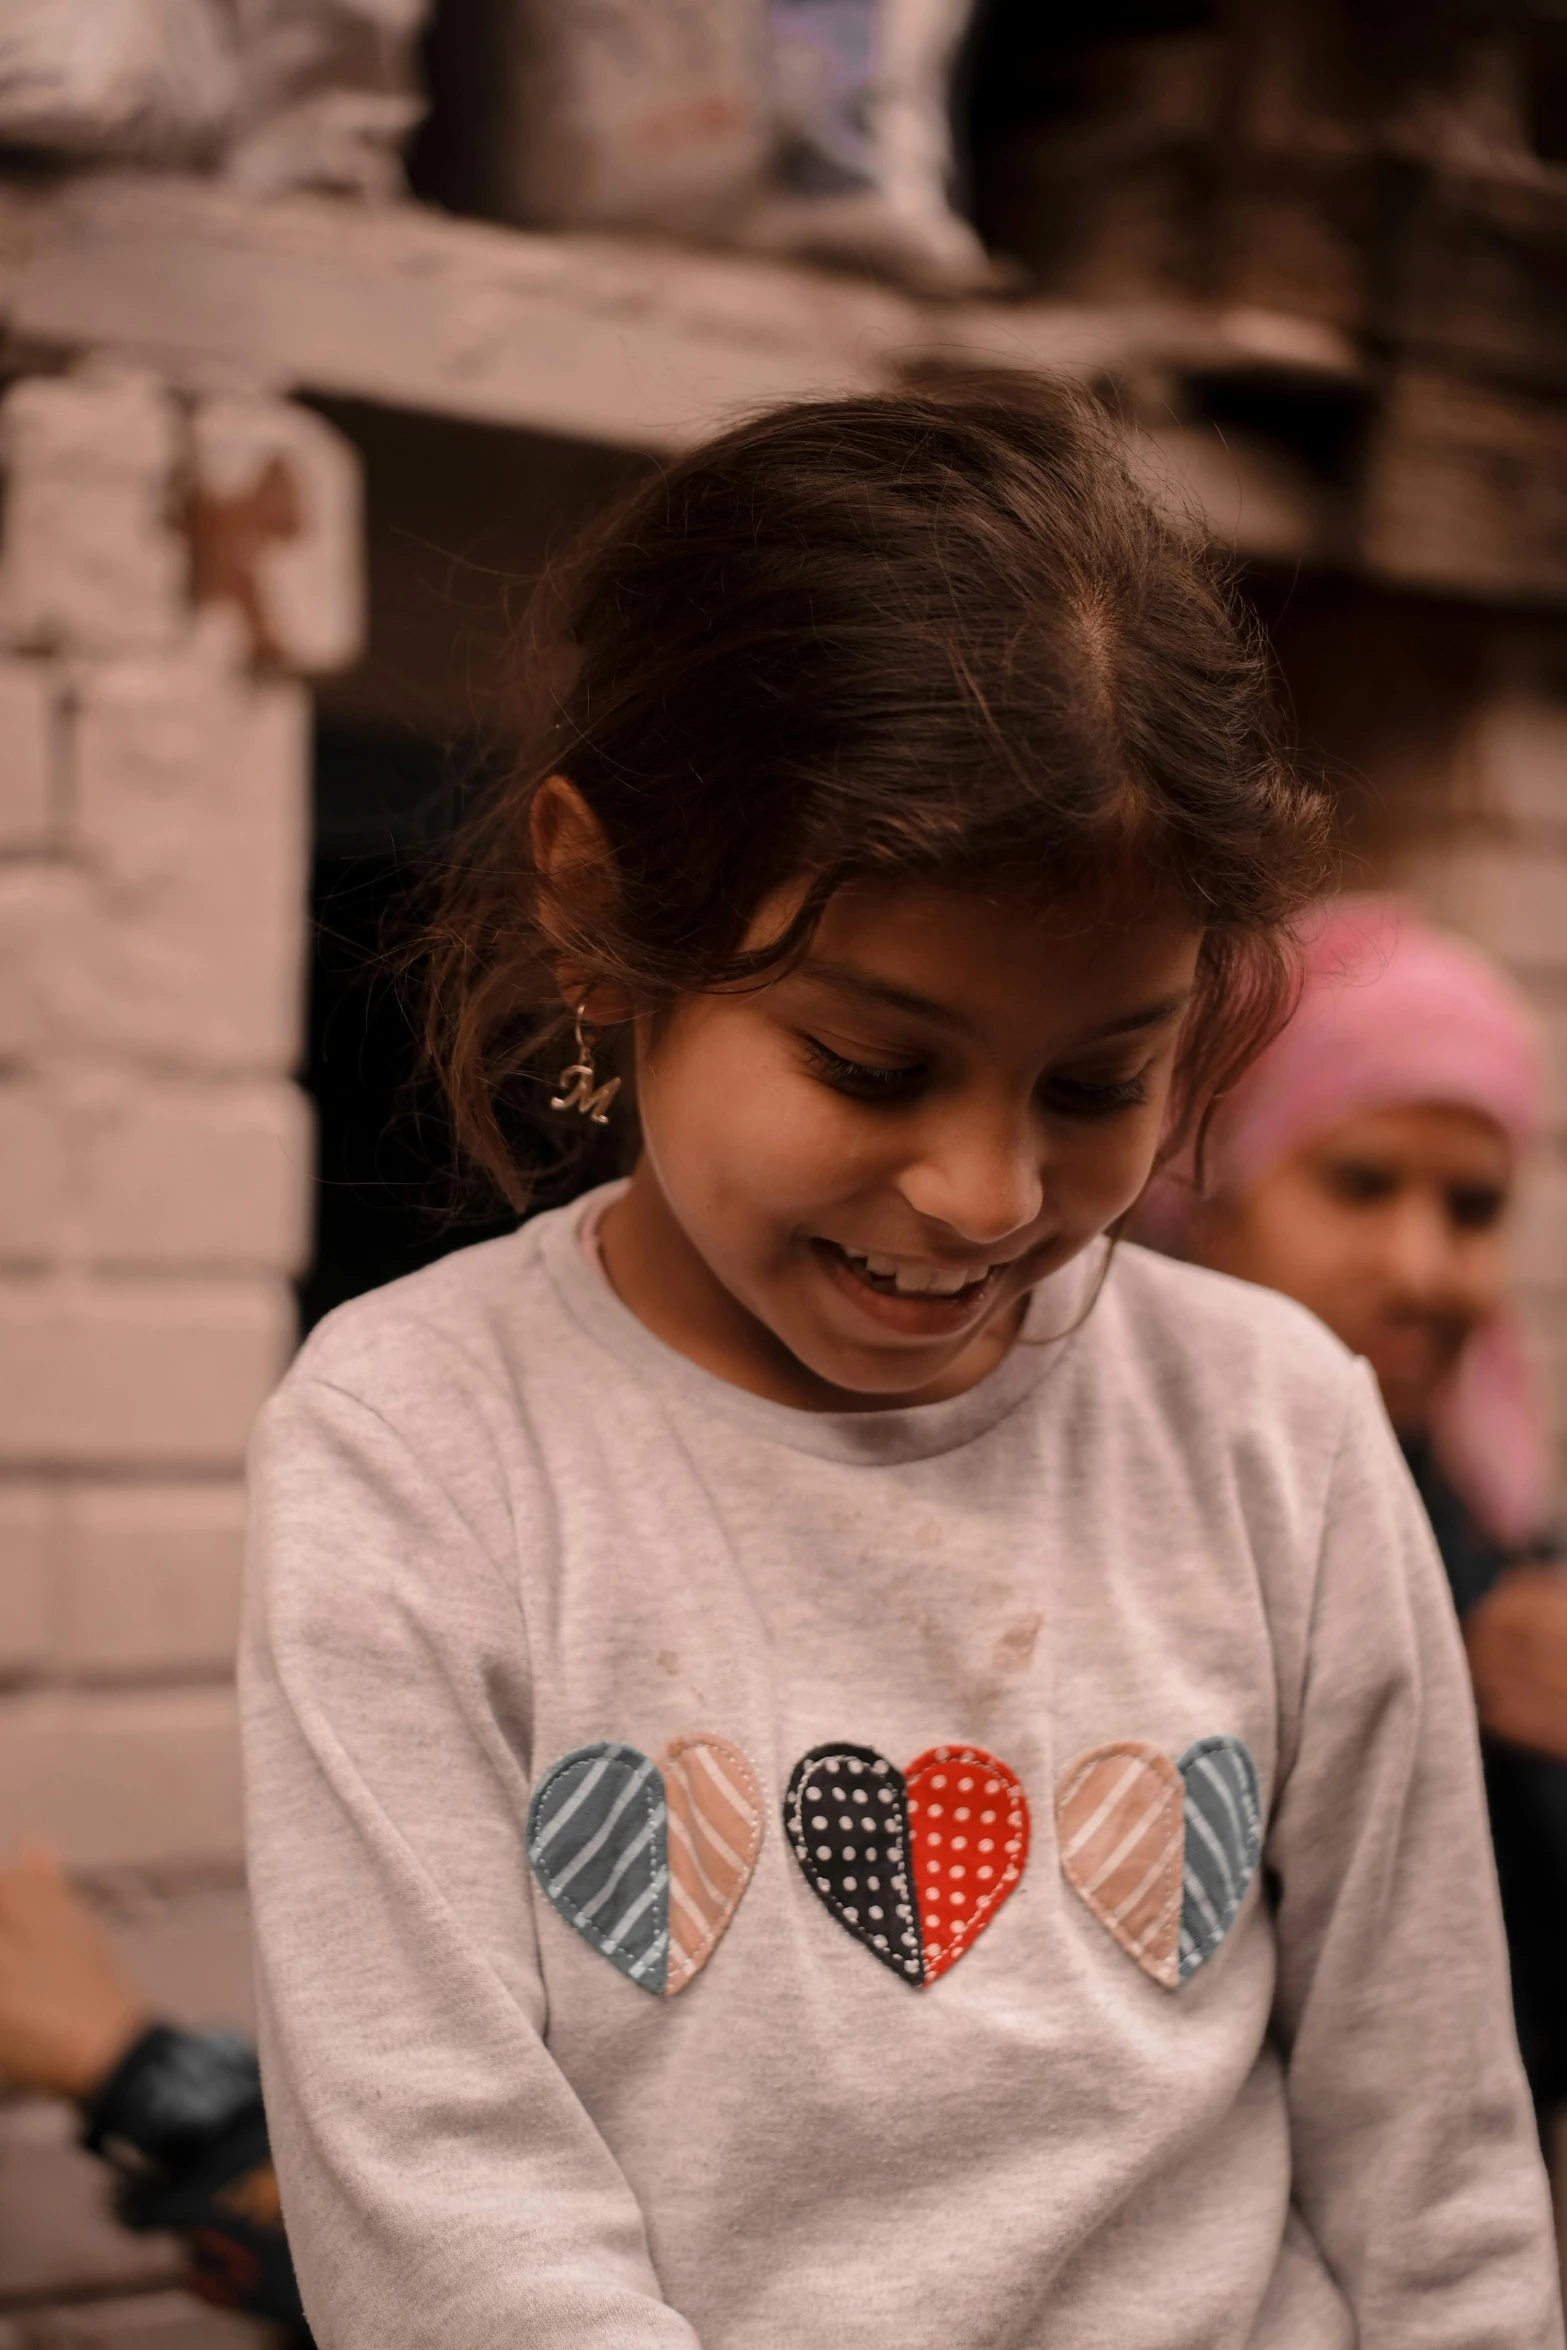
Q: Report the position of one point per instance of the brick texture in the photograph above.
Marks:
(29, 1547)
(278, 529)
(155, 1194)
(112, 1168)
(47, 952)
(147, 1780)
(192, 802)
(91, 562)
(198, 1175)
(28, 719)
(153, 2321)
(34, 1180)
(189, 1951)
(56, 2232)
(149, 1579)
(138, 1373)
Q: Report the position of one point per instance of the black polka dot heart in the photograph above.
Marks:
(913, 1865)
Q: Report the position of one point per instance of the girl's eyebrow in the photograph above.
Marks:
(1151, 1015)
(848, 981)
(867, 986)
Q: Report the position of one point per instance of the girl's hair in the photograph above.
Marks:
(932, 635)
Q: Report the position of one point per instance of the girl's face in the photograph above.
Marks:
(1389, 1226)
(852, 1175)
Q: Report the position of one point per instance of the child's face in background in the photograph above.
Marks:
(852, 1175)
(1389, 1226)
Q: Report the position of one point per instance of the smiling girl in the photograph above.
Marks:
(836, 1758)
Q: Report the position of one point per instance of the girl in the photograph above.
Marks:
(833, 1758)
(1365, 1166)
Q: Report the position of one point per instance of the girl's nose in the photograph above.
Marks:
(981, 1176)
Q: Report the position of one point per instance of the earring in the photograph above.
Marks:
(578, 1088)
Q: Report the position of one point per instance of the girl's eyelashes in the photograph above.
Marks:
(1081, 1098)
(867, 1081)
(872, 1081)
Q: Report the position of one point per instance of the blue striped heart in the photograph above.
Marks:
(598, 1841)
(1223, 1840)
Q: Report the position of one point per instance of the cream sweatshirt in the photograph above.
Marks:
(1005, 1874)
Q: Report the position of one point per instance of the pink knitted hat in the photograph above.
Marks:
(1392, 1011)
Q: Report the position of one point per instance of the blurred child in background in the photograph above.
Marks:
(1365, 1166)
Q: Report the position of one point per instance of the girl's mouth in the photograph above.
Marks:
(911, 1294)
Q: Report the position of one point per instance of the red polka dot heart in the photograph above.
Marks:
(914, 1863)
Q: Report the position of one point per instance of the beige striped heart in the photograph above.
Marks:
(1119, 1815)
(715, 1834)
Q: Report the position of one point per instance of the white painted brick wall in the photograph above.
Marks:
(149, 1579)
(47, 941)
(113, 1168)
(29, 1555)
(133, 1374)
(192, 806)
(30, 693)
(153, 2321)
(155, 1198)
(307, 603)
(91, 561)
(56, 2232)
(34, 1175)
(137, 1779)
(198, 1175)
(189, 1949)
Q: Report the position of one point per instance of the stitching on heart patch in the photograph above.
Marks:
(1163, 1853)
(846, 1818)
(1223, 1842)
(648, 1864)
(715, 1833)
(598, 1843)
(1118, 1814)
(968, 1826)
(913, 1866)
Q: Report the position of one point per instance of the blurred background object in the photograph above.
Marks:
(1367, 1165)
(323, 322)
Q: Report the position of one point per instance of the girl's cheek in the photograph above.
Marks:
(1114, 1163)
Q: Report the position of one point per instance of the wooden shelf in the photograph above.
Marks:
(636, 344)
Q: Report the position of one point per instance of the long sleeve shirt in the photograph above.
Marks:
(565, 1668)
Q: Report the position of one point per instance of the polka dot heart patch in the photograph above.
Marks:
(914, 1863)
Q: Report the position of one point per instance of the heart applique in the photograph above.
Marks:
(1162, 1853)
(913, 1864)
(648, 1861)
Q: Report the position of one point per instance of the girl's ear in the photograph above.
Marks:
(577, 888)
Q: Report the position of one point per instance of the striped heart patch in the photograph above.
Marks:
(715, 1833)
(648, 1864)
(1223, 1843)
(1118, 1815)
(1162, 1853)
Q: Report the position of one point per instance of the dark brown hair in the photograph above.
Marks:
(930, 634)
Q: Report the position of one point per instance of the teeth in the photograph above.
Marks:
(916, 1276)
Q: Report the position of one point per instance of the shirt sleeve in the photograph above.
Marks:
(440, 2181)
(1416, 2160)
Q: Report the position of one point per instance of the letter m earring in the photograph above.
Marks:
(579, 1090)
